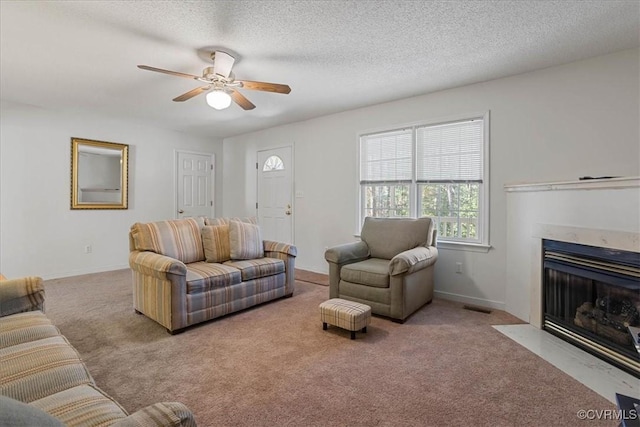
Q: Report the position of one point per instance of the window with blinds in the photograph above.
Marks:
(386, 173)
(387, 157)
(435, 170)
(450, 152)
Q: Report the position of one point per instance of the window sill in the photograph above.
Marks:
(463, 246)
(457, 246)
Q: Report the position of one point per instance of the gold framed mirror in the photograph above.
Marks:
(99, 174)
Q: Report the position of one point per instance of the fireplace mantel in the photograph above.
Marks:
(610, 239)
(583, 184)
(606, 215)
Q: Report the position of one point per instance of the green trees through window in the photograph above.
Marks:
(454, 206)
(387, 201)
(429, 170)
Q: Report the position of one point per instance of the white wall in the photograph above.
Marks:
(39, 233)
(554, 124)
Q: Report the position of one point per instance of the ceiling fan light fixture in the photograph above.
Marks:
(220, 84)
(218, 99)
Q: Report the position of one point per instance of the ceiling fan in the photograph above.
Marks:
(220, 83)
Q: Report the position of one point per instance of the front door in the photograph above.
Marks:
(194, 183)
(275, 208)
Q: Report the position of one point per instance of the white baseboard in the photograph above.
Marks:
(470, 300)
(60, 275)
(481, 302)
(313, 269)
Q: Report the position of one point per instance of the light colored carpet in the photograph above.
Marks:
(273, 365)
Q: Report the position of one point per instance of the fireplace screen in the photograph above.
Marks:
(592, 299)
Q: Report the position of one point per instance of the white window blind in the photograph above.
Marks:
(386, 157)
(450, 153)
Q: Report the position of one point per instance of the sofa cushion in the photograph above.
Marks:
(387, 237)
(257, 268)
(25, 327)
(180, 238)
(245, 240)
(204, 276)
(82, 405)
(371, 272)
(36, 369)
(215, 239)
(218, 302)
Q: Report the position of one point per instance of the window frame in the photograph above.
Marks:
(279, 166)
(477, 245)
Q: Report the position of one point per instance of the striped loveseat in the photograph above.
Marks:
(187, 271)
(43, 381)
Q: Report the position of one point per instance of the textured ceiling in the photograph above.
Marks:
(335, 55)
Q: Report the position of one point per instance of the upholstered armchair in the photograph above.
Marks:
(20, 295)
(390, 269)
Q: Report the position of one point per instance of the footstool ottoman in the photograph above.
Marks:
(348, 315)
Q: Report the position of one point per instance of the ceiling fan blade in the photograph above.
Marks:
(222, 63)
(240, 99)
(191, 93)
(171, 73)
(267, 87)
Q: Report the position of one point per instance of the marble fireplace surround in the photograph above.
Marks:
(602, 212)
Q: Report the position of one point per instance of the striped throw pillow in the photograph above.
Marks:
(245, 240)
(178, 238)
(215, 239)
(225, 220)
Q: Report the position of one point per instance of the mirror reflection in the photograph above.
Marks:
(98, 174)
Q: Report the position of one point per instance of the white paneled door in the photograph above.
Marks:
(275, 204)
(194, 184)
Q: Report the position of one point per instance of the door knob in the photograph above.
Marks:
(180, 211)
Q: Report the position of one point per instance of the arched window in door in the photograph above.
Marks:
(273, 163)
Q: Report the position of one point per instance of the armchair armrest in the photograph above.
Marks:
(159, 414)
(338, 256)
(18, 295)
(156, 265)
(283, 248)
(412, 260)
(347, 253)
(286, 253)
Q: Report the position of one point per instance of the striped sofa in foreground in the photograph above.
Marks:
(43, 381)
(187, 271)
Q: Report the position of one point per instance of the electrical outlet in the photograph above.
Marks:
(88, 249)
(458, 267)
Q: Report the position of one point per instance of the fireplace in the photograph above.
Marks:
(591, 296)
